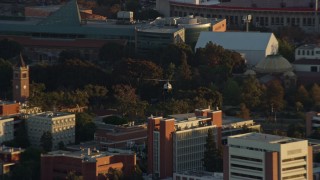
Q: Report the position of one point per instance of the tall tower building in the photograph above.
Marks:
(20, 81)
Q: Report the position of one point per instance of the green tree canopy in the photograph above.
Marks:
(212, 160)
(251, 92)
(111, 52)
(231, 92)
(5, 78)
(85, 127)
(286, 49)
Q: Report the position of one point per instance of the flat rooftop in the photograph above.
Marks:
(202, 174)
(7, 102)
(88, 154)
(267, 138)
(158, 29)
(50, 114)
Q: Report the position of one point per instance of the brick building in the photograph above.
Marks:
(269, 157)
(86, 163)
(8, 108)
(176, 144)
(120, 136)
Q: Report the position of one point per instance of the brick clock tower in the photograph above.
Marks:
(20, 81)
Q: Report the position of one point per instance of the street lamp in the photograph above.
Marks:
(247, 19)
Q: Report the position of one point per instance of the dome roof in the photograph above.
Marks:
(274, 64)
(249, 72)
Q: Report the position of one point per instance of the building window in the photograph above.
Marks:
(314, 69)
(24, 75)
(298, 52)
(308, 53)
(302, 52)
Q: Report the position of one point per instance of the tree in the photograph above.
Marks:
(128, 103)
(69, 54)
(251, 92)
(302, 95)
(72, 175)
(286, 49)
(296, 130)
(85, 127)
(212, 160)
(274, 96)
(315, 94)
(5, 78)
(46, 141)
(9, 49)
(111, 52)
(29, 166)
(245, 112)
(231, 92)
(114, 174)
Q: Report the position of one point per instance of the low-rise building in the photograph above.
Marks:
(6, 129)
(264, 156)
(8, 108)
(86, 163)
(60, 124)
(312, 122)
(113, 136)
(253, 46)
(9, 156)
(177, 143)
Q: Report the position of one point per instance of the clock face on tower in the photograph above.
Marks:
(24, 87)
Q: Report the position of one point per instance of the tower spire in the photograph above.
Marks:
(21, 62)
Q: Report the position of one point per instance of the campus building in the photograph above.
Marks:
(269, 13)
(6, 129)
(9, 157)
(46, 32)
(112, 136)
(253, 46)
(61, 125)
(267, 157)
(312, 122)
(9, 108)
(176, 144)
(90, 164)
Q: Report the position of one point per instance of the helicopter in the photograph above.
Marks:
(167, 87)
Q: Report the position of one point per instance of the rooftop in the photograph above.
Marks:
(7, 102)
(50, 114)
(267, 138)
(159, 29)
(252, 5)
(309, 46)
(203, 174)
(88, 154)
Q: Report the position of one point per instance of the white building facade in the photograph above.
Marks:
(6, 129)
(264, 156)
(61, 125)
(307, 58)
(253, 46)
